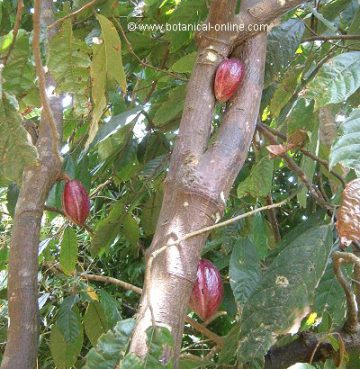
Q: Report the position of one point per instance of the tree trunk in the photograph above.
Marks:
(199, 179)
(22, 339)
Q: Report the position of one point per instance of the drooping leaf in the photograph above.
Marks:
(16, 151)
(151, 211)
(337, 79)
(244, 273)
(95, 322)
(68, 320)
(171, 107)
(112, 49)
(64, 353)
(110, 307)
(185, 64)
(330, 298)
(346, 149)
(106, 64)
(258, 183)
(69, 63)
(285, 294)
(108, 228)
(348, 216)
(111, 347)
(19, 73)
(283, 41)
(131, 229)
(68, 251)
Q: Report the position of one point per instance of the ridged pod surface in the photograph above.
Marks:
(76, 203)
(208, 291)
(228, 77)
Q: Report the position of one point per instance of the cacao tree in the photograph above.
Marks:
(179, 184)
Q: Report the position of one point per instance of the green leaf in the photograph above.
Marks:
(16, 151)
(185, 64)
(131, 229)
(151, 211)
(346, 149)
(115, 142)
(108, 228)
(68, 251)
(64, 353)
(131, 361)
(115, 124)
(110, 307)
(244, 273)
(283, 42)
(337, 79)
(330, 298)
(11, 198)
(308, 165)
(194, 362)
(111, 347)
(301, 116)
(187, 12)
(284, 90)
(112, 50)
(95, 322)
(69, 63)
(259, 181)
(285, 293)
(19, 73)
(260, 235)
(68, 320)
(171, 107)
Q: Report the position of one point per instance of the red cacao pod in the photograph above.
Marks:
(76, 203)
(228, 77)
(208, 290)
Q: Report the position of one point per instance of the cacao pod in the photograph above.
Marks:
(228, 77)
(208, 290)
(76, 203)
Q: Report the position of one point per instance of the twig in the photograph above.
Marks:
(128, 286)
(273, 219)
(307, 153)
(99, 188)
(19, 13)
(352, 323)
(59, 211)
(314, 192)
(144, 64)
(41, 77)
(333, 37)
(73, 14)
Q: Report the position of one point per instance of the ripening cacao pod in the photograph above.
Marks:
(228, 77)
(208, 290)
(76, 203)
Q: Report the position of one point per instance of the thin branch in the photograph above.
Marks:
(73, 14)
(128, 286)
(41, 77)
(144, 64)
(19, 13)
(333, 37)
(273, 219)
(59, 211)
(307, 153)
(339, 258)
(314, 192)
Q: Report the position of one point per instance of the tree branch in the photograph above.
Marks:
(22, 337)
(333, 37)
(18, 18)
(128, 286)
(73, 14)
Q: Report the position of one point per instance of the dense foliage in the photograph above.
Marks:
(123, 94)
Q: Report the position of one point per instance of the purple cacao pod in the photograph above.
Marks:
(76, 203)
(208, 290)
(228, 77)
